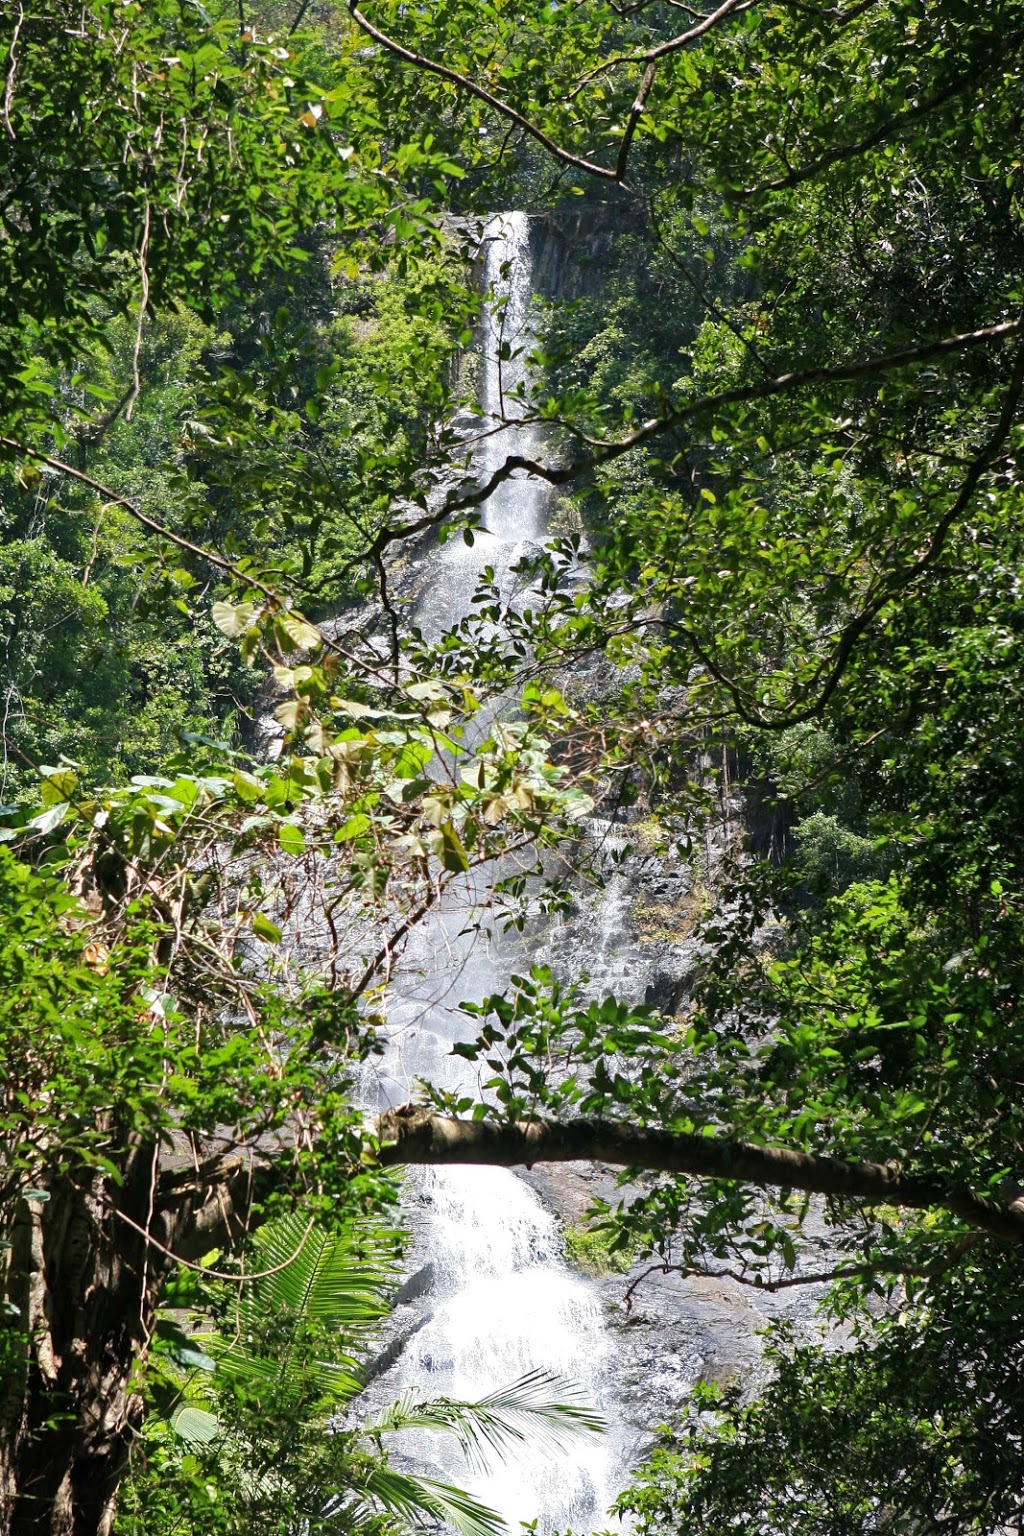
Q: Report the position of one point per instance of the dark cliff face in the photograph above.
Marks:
(573, 247)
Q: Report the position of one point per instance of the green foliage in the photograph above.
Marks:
(596, 1252)
(230, 324)
(97, 1032)
(892, 1433)
(608, 1054)
(115, 208)
(100, 1051)
(830, 856)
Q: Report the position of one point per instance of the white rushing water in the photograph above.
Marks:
(514, 519)
(494, 1298)
(518, 509)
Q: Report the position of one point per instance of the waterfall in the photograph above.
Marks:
(514, 518)
(493, 1297)
(518, 509)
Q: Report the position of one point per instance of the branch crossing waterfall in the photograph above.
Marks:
(514, 518)
(491, 1297)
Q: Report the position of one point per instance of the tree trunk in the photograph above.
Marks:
(84, 1284)
(81, 1283)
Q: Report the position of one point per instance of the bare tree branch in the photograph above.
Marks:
(412, 1135)
(114, 498)
(603, 452)
(660, 50)
(136, 384)
(829, 672)
(756, 1281)
(802, 378)
(652, 58)
(892, 125)
(12, 73)
(674, 44)
(409, 56)
(636, 111)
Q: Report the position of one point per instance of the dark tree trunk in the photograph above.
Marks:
(84, 1283)
(81, 1281)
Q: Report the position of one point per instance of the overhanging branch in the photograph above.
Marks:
(413, 1135)
(602, 451)
(968, 79)
(474, 88)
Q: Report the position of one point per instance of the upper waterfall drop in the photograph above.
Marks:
(518, 509)
(514, 518)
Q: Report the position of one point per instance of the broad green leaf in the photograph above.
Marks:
(264, 928)
(233, 619)
(196, 1426)
(291, 839)
(302, 635)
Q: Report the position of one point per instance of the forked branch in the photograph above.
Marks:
(474, 88)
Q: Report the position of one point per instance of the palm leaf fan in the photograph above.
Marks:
(502, 1421)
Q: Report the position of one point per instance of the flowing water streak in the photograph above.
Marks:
(518, 510)
(494, 1299)
(514, 519)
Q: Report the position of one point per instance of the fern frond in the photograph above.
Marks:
(319, 1275)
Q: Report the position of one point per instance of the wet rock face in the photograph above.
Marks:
(486, 1274)
(638, 938)
(572, 247)
(669, 1331)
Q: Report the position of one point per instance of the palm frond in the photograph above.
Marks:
(411, 1498)
(320, 1279)
(328, 1277)
(502, 1421)
(339, 1379)
(235, 1362)
(196, 1426)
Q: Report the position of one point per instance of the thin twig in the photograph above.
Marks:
(12, 73)
(114, 498)
(136, 386)
(829, 672)
(218, 1274)
(675, 44)
(757, 1282)
(636, 111)
(385, 956)
(660, 50)
(970, 78)
(683, 268)
(303, 8)
(150, 1211)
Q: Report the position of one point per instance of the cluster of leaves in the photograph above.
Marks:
(814, 540)
(596, 1252)
(101, 1051)
(184, 210)
(916, 1421)
(224, 354)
